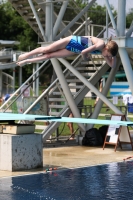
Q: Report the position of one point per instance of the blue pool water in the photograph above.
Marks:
(111, 181)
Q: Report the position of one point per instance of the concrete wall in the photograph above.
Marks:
(20, 152)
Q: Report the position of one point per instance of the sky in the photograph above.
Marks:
(129, 4)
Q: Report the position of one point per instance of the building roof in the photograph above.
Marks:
(8, 43)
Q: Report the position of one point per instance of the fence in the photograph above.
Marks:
(90, 102)
(7, 84)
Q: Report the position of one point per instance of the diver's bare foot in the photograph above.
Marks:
(21, 63)
(72, 137)
(23, 56)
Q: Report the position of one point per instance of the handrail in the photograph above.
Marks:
(25, 83)
(47, 90)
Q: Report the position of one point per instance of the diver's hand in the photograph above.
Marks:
(85, 56)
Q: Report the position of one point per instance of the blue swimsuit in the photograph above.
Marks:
(79, 43)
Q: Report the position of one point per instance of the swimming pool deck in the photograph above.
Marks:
(75, 156)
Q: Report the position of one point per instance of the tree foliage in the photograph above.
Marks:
(13, 27)
(97, 14)
(129, 18)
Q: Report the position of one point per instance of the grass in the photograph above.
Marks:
(89, 103)
(63, 129)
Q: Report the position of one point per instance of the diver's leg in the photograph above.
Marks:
(57, 54)
(55, 46)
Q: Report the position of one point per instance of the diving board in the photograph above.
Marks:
(28, 117)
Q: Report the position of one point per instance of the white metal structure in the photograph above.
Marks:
(49, 19)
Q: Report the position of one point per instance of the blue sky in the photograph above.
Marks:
(129, 3)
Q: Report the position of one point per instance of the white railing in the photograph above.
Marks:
(6, 53)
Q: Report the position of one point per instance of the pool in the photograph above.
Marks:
(101, 182)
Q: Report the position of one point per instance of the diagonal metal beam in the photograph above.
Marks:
(129, 32)
(127, 66)
(77, 98)
(80, 27)
(111, 16)
(60, 17)
(105, 29)
(74, 20)
(66, 90)
(105, 92)
(89, 85)
(37, 19)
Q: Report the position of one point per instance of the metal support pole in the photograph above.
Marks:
(37, 80)
(107, 21)
(34, 83)
(89, 85)
(14, 74)
(7, 88)
(129, 32)
(49, 20)
(121, 19)
(122, 51)
(1, 83)
(104, 92)
(81, 26)
(86, 24)
(27, 82)
(75, 19)
(111, 16)
(20, 76)
(37, 19)
(127, 66)
(99, 34)
(92, 30)
(66, 90)
(59, 18)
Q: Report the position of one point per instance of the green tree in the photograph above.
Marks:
(13, 27)
(129, 18)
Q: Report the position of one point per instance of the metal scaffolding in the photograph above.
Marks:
(54, 29)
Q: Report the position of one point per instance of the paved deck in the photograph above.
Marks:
(63, 157)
